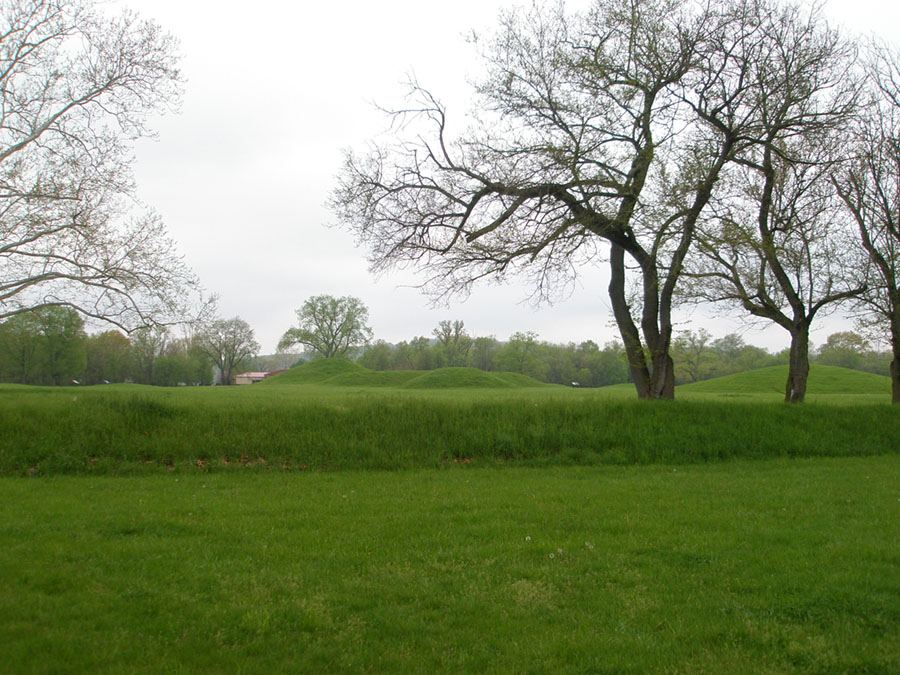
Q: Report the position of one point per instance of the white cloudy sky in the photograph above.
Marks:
(274, 92)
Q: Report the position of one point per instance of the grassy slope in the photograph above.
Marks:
(315, 372)
(822, 380)
(343, 373)
(129, 429)
(771, 566)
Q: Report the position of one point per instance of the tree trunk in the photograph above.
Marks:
(655, 380)
(895, 378)
(634, 351)
(895, 349)
(798, 367)
(895, 362)
(663, 381)
(658, 383)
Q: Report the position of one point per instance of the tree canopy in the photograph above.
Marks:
(76, 89)
(329, 326)
(228, 344)
(598, 136)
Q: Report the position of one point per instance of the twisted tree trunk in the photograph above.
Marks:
(798, 366)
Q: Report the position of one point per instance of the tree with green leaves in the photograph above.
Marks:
(844, 349)
(108, 357)
(454, 341)
(329, 326)
(377, 356)
(19, 356)
(228, 344)
(44, 346)
(483, 352)
(147, 346)
(692, 353)
(522, 354)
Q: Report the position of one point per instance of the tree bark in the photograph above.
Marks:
(798, 367)
(634, 351)
(895, 349)
(895, 378)
(654, 379)
(663, 382)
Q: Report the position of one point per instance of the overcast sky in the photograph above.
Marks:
(274, 92)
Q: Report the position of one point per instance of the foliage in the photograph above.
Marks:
(45, 346)
(585, 364)
(48, 346)
(147, 345)
(698, 357)
(228, 344)
(329, 326)
(847, 349)
(690, 350)
(520, 355)
(182, 362)
(453, 341)
(109, 358)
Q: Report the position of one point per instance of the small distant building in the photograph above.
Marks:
(250, 378)
(256, 376)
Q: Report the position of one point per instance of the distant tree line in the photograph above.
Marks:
(49, 346)
(585, 363)
(696, 355)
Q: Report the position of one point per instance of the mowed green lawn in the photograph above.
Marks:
(522, 528)
(764, 566)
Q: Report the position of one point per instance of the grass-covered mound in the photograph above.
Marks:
(822, 380)
(469, 378)
(343, 373)
(373, 378)
(316, 372)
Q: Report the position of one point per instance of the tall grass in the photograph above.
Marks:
(128, 429)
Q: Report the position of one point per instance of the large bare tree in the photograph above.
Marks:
(869, 185)
(599, 135)
(76, 89)
(774, 242)
(778, 249)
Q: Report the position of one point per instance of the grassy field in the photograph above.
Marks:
(767, 566)
(522, 527)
